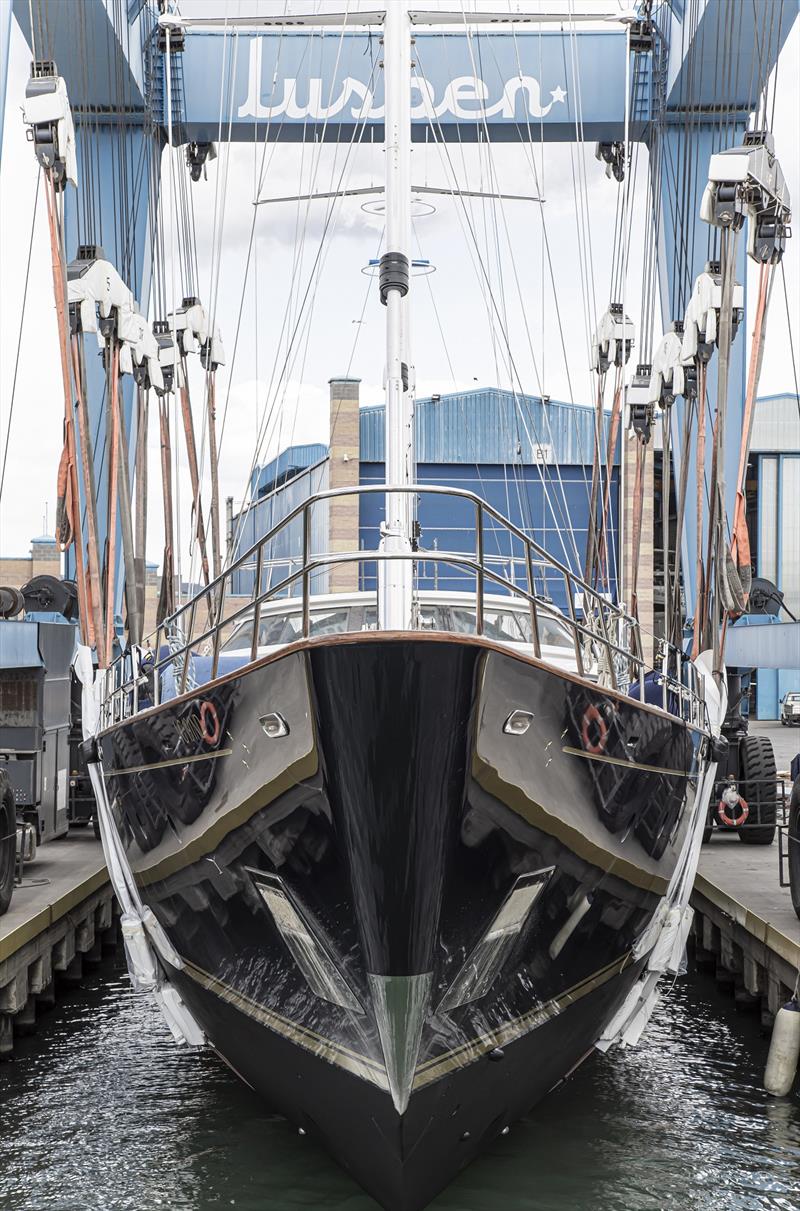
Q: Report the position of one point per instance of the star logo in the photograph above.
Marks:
(558, 94)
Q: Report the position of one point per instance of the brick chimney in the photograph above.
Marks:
(344, 467)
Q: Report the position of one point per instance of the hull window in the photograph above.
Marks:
(484, 964)
(309, 953)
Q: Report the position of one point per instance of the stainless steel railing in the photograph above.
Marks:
(607, 642)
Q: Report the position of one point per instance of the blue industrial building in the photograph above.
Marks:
(532, 460)
(529, 458)
(775, 534)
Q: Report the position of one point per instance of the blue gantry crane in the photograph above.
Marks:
(683, 79)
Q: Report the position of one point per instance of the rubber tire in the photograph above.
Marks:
(757, 766)
(8, 842)
(794, 845)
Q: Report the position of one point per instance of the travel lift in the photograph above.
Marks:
(99, 301)
(745, 184)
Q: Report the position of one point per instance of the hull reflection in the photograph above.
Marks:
(410, 906)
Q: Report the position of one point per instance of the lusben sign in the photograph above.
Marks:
(465, 97)
(298, 85)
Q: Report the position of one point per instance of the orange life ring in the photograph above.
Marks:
(208, 710)
(592, 715)
(726, 819)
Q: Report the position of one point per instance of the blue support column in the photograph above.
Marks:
(101, 59)
(115, 213)
(717, 57)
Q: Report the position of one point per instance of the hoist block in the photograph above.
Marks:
(47, 112)
(613, 340)
(747, 183)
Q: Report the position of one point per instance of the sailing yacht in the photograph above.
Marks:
(403, 857)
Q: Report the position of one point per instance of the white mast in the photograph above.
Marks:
(395, 576)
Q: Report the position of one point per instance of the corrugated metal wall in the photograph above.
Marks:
(550, 504)
(286, 549)
(778, 529)
(776, 425)
(531, 460)
(287, 463)
(490, 426)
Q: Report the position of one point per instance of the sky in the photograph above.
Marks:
(341, 328)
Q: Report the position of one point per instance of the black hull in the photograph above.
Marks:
(405, 1162)
(401, 922)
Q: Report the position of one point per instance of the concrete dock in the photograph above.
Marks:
(60, 919)
(746, 931)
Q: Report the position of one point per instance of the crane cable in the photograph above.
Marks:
(495, 181)
(19, 337)
(740, 544)
(493, 308)
(88, 590)
(304, 311)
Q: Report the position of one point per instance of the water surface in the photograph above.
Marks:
(101, 1112)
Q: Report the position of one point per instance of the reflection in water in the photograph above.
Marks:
(100, 1112)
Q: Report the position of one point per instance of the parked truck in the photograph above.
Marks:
(37, 743)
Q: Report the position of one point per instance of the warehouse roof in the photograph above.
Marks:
(490, 425)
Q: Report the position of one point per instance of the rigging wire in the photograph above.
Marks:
(791, 339)
(309, 293)
(19, 335)
(494, 310)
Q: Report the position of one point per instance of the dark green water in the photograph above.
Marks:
(100, 1112)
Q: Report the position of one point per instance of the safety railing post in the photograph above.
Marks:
(188, 652)
(257, 601)
(218, 628)
(575, 633)
(537, 647)
(157, 668)
(306, 579)
(610, 653)
(479, 562)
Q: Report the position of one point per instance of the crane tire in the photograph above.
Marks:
(758, 785)
(794, 846)
(8, 841)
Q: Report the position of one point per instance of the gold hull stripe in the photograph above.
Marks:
(199, 847)
(648, 769)
(120, 772)
(578, 843)
(441, 1065)
(430, 1071)
(317, 1044)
